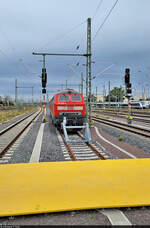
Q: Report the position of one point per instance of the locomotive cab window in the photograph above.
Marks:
(63, 97)
(76, 97)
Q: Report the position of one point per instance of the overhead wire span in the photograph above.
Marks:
(100, 27)
(103, 70)
(99, 5)
(96, 11)
(20, 60)
(62, 35)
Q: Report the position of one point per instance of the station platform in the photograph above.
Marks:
(31, 188)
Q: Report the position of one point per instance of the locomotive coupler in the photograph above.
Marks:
(86, 132)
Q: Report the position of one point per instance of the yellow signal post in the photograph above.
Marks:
(129, 113)
(44, 112)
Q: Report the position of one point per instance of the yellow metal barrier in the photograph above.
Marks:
(61, 186)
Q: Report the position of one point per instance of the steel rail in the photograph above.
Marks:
(134, 113)
(71, 153)
(134, 129)
(93, 148)
(7, 146)
(16, 123)
(68, 148)
(122, 115)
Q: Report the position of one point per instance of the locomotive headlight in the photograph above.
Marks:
(62, 108)
(78, 108)
(70, 108)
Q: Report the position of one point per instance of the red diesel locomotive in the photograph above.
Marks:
(70, 104)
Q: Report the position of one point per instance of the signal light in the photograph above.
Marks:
(127, 79)
(127, 71)
(44, 77)
(128, 88)
(127, 76)
(43, 90)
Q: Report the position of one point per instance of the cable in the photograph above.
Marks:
(97, 8)
(63, 35)
(4, 54)
(105, 19)
(103, 70)
(100, 3)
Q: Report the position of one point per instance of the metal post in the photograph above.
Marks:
(44, 108)
(120, 96)
(89, 64)
(32, 94)
(66, 84)
(47, 100)
(82, 83)
(104, 93)
(96, 96)
(16, 92)
(129, 111)
(144, 93)
(109, 92)
(43, 60)
(87, 107)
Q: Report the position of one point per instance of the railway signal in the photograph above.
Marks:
(128, 94)
(44, 77)
(127, 82)
(127, 76)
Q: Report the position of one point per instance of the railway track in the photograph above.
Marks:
(9, 135)
(143, 119)
(123, 112)
(138, 117)
(134, 129)
(82, 151)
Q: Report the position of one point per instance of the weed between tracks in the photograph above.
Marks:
(8, 115)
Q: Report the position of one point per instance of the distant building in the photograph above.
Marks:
(100, 98)
(138, 97)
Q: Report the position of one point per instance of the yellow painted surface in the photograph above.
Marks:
(61, 186)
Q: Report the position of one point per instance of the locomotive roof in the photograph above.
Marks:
(68, 91)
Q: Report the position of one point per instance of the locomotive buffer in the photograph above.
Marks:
(86, 132)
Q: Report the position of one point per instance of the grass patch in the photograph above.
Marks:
(120, 138)
(10, 114)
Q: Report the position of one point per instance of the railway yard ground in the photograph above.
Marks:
(44, 141)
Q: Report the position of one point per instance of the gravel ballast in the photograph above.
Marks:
(50, 150)
(23, 152)
(134, 140)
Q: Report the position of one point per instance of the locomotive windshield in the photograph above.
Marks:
(75, 97)
(63, 97)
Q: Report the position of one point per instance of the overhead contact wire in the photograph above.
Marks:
(105, 19)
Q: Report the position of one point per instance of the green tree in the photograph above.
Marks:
(116, 94)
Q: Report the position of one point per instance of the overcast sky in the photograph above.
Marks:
(59, 27)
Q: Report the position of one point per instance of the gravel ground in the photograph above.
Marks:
(129, 138)
(50, 150)
(89, 217)
(23, 152)
(138, 216)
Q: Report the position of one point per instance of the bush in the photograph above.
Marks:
(120, 138)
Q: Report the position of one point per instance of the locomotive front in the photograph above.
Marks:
(69, 104)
